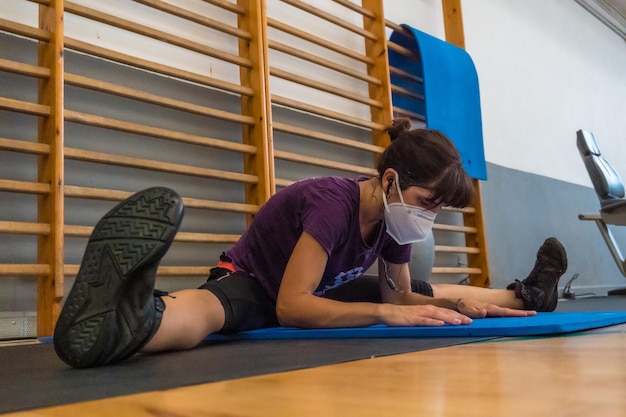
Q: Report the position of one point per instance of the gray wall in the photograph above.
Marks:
(521, 209)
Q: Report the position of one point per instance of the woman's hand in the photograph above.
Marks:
(478, 310)
(421, 315)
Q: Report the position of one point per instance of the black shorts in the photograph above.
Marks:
(247, 306)
(365, 288)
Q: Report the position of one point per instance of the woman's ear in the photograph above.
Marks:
(389, 176)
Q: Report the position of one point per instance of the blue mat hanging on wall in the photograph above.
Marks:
(446, 77)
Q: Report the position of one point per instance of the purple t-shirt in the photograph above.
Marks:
(328, 209)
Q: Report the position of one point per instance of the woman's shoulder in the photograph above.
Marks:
(317, 194)
(326, 184)
(320, 194)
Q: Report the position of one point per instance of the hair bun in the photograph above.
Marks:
(399, 127)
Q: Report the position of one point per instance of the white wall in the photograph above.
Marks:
(550, 68)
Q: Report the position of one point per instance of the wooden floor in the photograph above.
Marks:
(580, 374)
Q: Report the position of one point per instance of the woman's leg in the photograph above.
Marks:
(111, 310)
(502, 298)
(538, 291)
(227, 302)
(189, 316)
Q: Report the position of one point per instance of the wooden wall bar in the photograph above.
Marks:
(50, 170)
(78, 122)
(477, 241)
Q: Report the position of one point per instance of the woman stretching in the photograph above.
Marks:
(306, 242)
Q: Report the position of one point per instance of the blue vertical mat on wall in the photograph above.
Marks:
(446, 77)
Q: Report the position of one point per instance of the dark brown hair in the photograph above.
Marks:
(427, 159)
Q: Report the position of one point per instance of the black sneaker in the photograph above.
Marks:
(539, 290)
(112, 309)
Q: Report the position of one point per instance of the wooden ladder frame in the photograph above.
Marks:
(258, 127)
(453, 22)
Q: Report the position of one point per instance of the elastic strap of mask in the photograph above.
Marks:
(399, 190)
(399, 194)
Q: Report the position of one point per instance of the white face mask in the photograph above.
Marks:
(406, 223)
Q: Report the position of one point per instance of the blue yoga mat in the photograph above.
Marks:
(541, 324)
(445, 76)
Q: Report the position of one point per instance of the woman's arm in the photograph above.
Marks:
(395, 287)
(297, 306)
